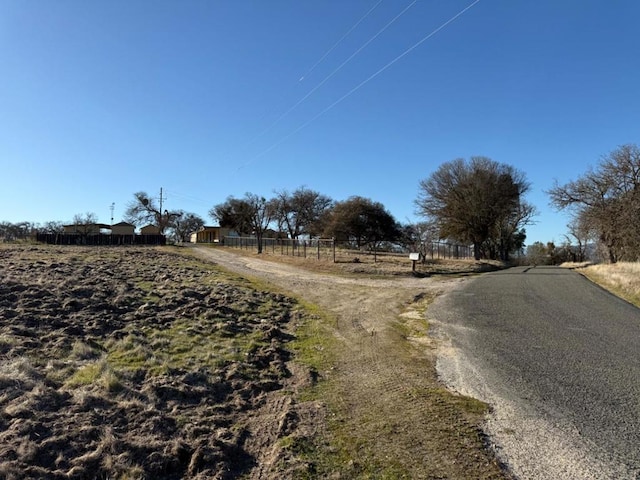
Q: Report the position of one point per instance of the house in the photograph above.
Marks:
(149, 230)
(123, 228)
(271, 233)
(85, 229)
(210, 234)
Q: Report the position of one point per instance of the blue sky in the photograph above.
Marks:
(99, 100)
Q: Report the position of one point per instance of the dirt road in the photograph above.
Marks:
(390, 412)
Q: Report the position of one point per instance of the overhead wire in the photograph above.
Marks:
(363, 83)
(190, 198)
(334, 72)
(326, 79)
(353, 27)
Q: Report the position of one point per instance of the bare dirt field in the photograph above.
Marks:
(155, 363)
(140, 363)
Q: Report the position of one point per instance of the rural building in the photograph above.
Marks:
(271, 233)
(210, 235)
(85, 229)
(123, 228)
(149, 230)
(122, 233)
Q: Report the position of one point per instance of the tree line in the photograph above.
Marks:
(604, 204)
(476, 202)
(358, 221)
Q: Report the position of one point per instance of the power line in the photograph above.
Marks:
(343, 63)
(327, 78)
(340, 41)
(190, 198)
(363, 83)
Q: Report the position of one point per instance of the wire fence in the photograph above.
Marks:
(442, 250)
(319, 248)
(330, 249)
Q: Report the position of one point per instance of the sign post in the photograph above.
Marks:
(414, 257)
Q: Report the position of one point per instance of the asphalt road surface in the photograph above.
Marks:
(558, 359)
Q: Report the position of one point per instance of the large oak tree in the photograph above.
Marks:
(362, 222)
(480, 202)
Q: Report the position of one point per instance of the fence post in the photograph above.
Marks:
(333, 243)
(318, 249)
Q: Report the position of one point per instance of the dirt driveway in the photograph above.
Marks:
(390, 415)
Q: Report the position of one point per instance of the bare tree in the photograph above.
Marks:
(508, 235)
(580, 233)
(416, 237)
(249, 215)
(86, 224)
(14, 231)
(184, 224)
(606, 201)
(144, 210)
(299, 212)
(52, 226)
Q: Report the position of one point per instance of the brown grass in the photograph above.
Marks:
(622, 279)
(367, 264)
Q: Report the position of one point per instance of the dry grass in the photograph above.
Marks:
(622, 279)
(382, 265)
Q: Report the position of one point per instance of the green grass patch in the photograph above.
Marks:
(180, 347)
(96, 373)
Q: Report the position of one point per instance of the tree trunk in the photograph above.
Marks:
(476, 250)
(259, 239)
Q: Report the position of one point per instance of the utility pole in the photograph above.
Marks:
(163, 220)
(113, 205)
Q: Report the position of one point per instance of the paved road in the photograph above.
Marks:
(559, 360)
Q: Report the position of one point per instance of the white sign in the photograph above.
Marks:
(414, 256)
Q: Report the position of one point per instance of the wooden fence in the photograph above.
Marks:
(101, 239)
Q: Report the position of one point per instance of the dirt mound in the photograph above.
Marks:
(138, 363)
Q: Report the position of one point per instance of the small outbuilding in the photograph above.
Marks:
(85, 228)
(123, 228)
(210, 235)
(150, 230)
